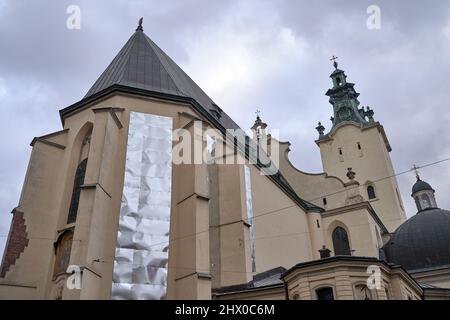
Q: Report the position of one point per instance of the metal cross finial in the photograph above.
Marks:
(258, 112)
(140, 28)
(334, 61)
(416, 170)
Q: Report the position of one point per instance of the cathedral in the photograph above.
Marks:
(108, 210)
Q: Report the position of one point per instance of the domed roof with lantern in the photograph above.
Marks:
(422, 242)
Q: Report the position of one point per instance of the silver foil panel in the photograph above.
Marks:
(248, 197)
(141, 260)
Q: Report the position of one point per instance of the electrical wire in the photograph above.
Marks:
(280, 209)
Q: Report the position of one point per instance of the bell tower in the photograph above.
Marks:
(355, 140)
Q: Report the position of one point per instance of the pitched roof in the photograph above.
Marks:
(266, 279)
(142, 68)
(143, 65)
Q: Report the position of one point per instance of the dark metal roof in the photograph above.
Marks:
(420, 186)
(142, 68)
(422, 241)
(336, 71)
(142, 64)
(266, 279)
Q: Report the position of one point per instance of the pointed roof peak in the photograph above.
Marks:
(142, 65)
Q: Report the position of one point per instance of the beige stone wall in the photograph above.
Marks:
(313, 187)
(346, 278)
(348, 281)
(47, 193)
(371, 164)
(280, 226)
(361, 228)
(209, 230)
(46, 198)
(40, 201)
(345, 206)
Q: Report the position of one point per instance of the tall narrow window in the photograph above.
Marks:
(79, 178)
(371, 192)
(426, 201)
(325, 293)
(340, 242)
(418, 204)
(360, 151)
(341, 155)
(79, 181)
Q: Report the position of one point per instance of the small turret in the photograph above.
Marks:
(423, 194)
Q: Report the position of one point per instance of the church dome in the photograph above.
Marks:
(420, 186)
(422, 241)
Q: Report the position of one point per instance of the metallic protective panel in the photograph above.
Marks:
(141, 261)
(248, 196)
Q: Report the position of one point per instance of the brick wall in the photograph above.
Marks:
(17, 241)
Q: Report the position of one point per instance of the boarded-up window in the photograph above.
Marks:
(63, 249)
(79, 181)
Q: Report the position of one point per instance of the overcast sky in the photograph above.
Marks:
(247, 55)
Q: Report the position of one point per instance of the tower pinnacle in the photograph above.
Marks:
(335, 64)
(140, 28)
(259, 127)
(344, 100)
(416, 171)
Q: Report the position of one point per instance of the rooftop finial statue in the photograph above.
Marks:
(140, 28)
(335, 64)
(416, 171)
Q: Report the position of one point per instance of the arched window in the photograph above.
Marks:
(418, 204)
(371, 192)
(79, 181)
(362, 292)
(63, 248)
(325, 293)
(340, 242)
(426, 201)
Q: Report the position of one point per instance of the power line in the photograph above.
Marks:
(292, 206)
(284, 208)
(259, 216)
